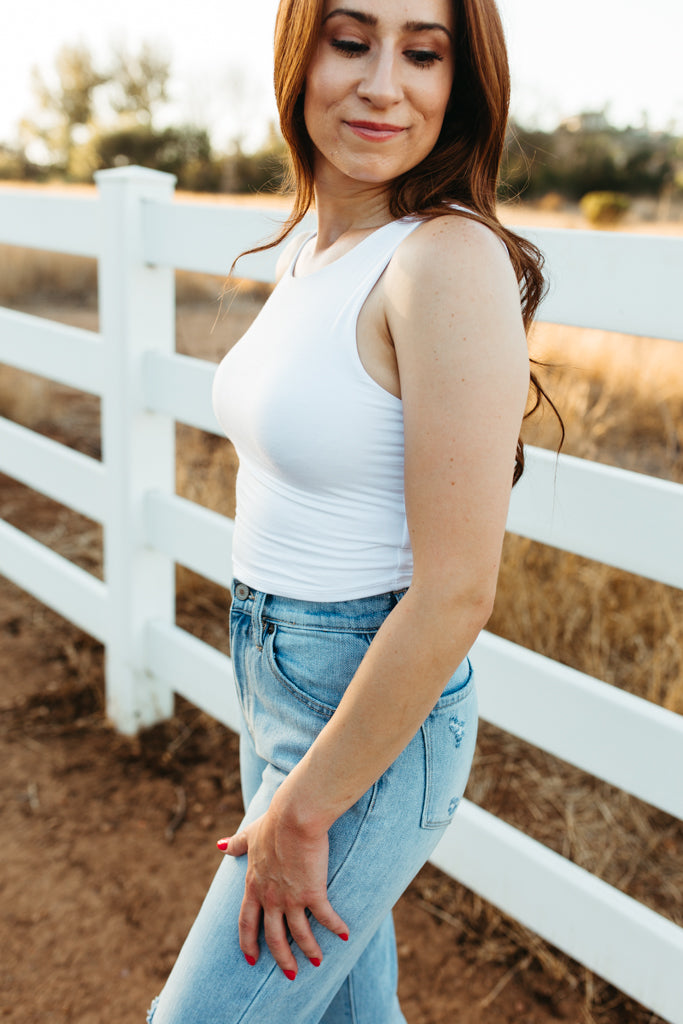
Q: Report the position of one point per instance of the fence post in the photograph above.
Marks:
(137, 313)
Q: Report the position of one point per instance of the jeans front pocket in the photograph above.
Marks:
(449, 735)
(315, 665)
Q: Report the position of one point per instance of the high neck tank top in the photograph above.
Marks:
(320, 492)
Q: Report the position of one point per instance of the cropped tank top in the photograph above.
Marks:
(320, 491)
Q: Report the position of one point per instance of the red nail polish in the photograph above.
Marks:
(250, 959)
(314, 960)
(290, 974)
(222, 844)
(344, 936)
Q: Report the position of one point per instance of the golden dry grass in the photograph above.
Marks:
(27, 273)
(622, 402)
(31, 275)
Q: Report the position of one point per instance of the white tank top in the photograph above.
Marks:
(320, 495)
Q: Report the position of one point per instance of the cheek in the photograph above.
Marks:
(318, 98)
(435, 107)
(312, 117)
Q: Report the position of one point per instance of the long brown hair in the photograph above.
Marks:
(462, 167)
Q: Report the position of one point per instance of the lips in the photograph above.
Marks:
(375, 131)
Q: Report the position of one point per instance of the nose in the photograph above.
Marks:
(381, 83)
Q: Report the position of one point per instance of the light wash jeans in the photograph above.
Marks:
(293, 660)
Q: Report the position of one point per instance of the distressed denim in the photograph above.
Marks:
(293, 660)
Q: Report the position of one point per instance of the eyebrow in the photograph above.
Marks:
(371, 19)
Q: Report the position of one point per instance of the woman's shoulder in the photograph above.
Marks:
(452, 247)
(451, 266)
(454, 237)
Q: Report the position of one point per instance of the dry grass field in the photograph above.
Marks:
(622, 402)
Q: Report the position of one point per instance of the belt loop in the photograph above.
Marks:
(256, 624)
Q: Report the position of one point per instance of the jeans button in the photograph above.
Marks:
(241, 591)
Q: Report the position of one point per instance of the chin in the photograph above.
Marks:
(366, 170)
(381, 175)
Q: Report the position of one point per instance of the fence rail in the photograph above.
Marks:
(49, 467)
(55, 581)
(601, 512)
(68, 355)
(623, 519)
(59, 224)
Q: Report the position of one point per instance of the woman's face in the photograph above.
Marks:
(378, 86)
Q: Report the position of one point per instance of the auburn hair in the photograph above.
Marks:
(463, 166)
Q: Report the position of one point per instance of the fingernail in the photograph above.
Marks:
(290, 974)
(250, 959)
(344, 936)
(222, 844)
(314, 960)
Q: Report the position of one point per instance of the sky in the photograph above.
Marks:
(622, 55)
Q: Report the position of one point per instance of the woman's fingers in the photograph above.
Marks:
(327, 916)
(276, 939)
(249, 924)
(300, 930)
(275, 931)
(278, 889)
(275, 926)
(236, 846)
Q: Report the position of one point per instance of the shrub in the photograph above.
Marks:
(604, 209)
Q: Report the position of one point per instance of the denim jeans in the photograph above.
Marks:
(293, 660)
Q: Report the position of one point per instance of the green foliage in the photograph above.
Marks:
(12, 164)
(15, 166)
(66, 105)
(140, 82)
(604, 209)
(71, 99)
(587, 154)
(184, 151)
(132, 89)
(263, 171)
(135, 86)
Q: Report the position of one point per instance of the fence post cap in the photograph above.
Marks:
(134, 173)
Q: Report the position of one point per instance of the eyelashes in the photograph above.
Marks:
(420, 58)
(348, 47)
(424, 58)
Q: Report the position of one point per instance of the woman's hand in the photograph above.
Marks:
(286, 874)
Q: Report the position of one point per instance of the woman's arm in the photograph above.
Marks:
(453, 312)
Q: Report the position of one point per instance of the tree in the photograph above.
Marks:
(587, 154)
(262, 171)
(140, 83)
(68, 104)
(184, 151)
(135, 85)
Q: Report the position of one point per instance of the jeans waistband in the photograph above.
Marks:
(359, 614)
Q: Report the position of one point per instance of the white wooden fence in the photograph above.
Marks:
(631, 521)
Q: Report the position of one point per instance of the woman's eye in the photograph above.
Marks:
(423, 58)
(349, 47)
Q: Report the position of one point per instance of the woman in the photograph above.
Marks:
(375, 405)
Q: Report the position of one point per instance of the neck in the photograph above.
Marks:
(355, 206)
